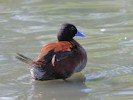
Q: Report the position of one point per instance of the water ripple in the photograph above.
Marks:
(2, 58)
(31, 29)
(29, 18)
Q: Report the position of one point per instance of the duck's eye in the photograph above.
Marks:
(72, 28)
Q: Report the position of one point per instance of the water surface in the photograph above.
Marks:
(27, 25)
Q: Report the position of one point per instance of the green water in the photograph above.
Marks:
(27, 25)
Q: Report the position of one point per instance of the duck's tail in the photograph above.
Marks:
(24, 59)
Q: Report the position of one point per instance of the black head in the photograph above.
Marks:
(67, 32)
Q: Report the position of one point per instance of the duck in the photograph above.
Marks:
(58, 60)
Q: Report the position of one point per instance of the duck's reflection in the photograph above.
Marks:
(70, 89)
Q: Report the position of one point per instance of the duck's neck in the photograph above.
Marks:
(74, 42)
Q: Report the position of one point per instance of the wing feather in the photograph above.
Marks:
(56, 51)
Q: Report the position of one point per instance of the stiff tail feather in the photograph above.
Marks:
(24, 59)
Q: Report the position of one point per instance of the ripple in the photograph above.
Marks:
(125, 93)
(95, 77)
(2, 58)
(7, 98)
(3, 20)
(86, 90)
(31, 29)
(30, 1)
(128, 42)
(118, 70)
(105, 73)
(29, 18)
(24, 79)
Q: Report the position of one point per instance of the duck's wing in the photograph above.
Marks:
(55, 52)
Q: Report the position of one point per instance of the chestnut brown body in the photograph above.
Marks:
(61, 69)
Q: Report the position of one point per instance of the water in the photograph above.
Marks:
(27, 25)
